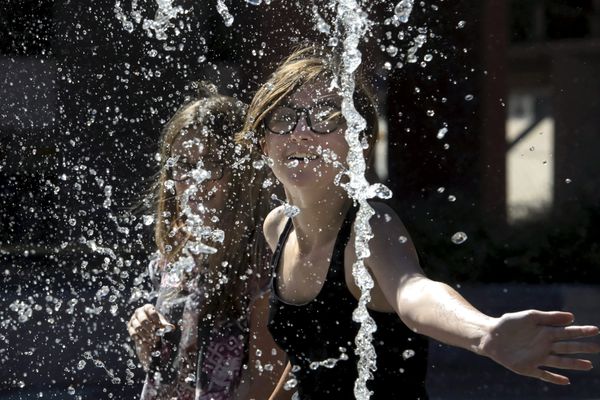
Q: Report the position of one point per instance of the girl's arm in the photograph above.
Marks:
(522, 342)
(266, 361)
(280, 393)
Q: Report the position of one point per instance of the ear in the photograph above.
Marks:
(263, 146)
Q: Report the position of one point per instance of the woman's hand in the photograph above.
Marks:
(143, 327)
(527, 341)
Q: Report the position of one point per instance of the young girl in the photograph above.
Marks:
(296, 116)
(195, 342)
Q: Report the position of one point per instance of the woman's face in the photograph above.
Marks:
(200, 174)
(310, 136)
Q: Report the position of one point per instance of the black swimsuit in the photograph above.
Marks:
(316, 334)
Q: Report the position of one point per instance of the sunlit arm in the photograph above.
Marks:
(266, 361)
(522, 341)
(280, 393)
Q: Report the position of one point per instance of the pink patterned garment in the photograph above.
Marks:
(176, 373)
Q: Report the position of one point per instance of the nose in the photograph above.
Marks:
(301, 131)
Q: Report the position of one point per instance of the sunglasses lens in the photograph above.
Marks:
(325, 118)
(281, 120)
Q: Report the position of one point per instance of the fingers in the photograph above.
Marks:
(575, 348)
(574, 332)
(552, 377)
(145, 321)
(553, 318)
(163, 321)
(568, 363)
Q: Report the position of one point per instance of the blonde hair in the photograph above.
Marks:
(215, 119)
(306, 64)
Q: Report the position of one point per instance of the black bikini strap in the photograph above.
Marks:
(343, 237)
(280, 243)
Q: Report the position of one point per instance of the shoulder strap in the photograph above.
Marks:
(280, 243)
(343, 238)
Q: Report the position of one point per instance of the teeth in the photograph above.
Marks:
(302, 156)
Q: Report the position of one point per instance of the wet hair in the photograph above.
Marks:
(214, 119)
(307, 64)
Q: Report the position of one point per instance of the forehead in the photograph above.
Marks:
(312, 93)
(192, 143)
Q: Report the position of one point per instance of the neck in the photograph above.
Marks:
(320, 217)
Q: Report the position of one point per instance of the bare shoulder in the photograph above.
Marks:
(390, 236)
(273, 226)
(386, 221)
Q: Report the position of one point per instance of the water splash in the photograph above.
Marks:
(156, 27)
(195, 215)
(330, 362)
(289, 210)
(224, 12)
(353, 22)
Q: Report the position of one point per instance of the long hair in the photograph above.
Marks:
(214, 119)
(305, 65)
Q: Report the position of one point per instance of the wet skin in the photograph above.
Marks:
(304, 145)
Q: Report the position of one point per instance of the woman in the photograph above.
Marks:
(296, 116)
(200, 340)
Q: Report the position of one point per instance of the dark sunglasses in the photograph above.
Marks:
(322, 118)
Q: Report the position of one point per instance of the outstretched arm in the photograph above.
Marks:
(524, 342)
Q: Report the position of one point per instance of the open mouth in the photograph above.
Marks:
(302, 157)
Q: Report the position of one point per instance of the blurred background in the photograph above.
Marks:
(489, 137)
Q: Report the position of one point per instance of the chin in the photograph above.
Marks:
(299, 177)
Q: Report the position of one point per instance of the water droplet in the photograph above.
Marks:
(258, 164)
(290, 384)
(406, 354)
(469, 97)
(402, 239)
(290, 211)
(267, 183)
(403, 10)
(442, 133)
(461, 24)
(441, 189)
(430, 113)
(459, 238)
(102, 292)
(224, 11)
(451, 198)
(428, 57)
(567, 181)
(71, 390)
(292, 163)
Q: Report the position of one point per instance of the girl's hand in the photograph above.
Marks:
(527, 341)
(142, 327)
